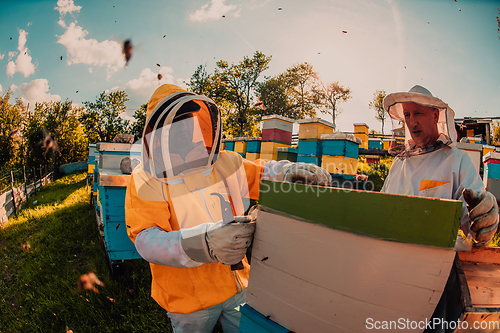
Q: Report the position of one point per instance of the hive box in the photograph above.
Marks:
(375, 144)
(361, 132)
(313, 128)
(340, 165)
(253, 145)
(323, 262)
(340, 144)
(269, 148)
(310, 147)
(277, 128)
(474, 151)
(252, 156)
(110, 210)
(286, 153)
(316, 160)
(277, 135)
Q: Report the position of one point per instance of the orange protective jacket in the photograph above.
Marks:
(184, 201)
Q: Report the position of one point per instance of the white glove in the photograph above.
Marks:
(483, 213)
(305, 173)
(223, 242)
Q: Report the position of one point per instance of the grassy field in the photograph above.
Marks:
(46, 248)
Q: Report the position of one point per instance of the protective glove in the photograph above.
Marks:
(223, 242)
(483, 213)
(305, 173)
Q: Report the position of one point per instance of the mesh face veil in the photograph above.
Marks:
(403, 144)
(182, 134)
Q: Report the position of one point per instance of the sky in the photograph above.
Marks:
(450, 47)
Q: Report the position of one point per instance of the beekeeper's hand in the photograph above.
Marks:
(223, 242)
(483, 214)
(305, 173)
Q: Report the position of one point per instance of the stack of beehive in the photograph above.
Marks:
(253, 148)
(491, 173)
(340, 154)
(276, 132)
(361, 132)
(240, 146)
(374, 144)
(310, 144)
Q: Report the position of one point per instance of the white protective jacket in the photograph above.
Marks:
(443, 173)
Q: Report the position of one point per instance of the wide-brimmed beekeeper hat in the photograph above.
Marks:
(393, 105)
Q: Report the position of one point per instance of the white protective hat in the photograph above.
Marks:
(393, 105)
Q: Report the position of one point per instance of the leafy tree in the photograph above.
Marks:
(12, 118)
(377, 105)
(290, 94)
(496, 133)
(329, 95)
(140, 121)
(232, 87)
(101, 119)
(53, 135)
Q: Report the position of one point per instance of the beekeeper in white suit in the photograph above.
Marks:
(430, 165)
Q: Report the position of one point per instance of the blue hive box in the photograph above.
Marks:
(112, 186)
(310, 147)
(253, 321)
(229, 145)
(341, 148)
(309, 159)
(253, 146)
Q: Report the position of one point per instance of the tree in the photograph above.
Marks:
(290, 94)
(12, 118)
(377, 105)
(101, 119)
(232, 87)
(328, 97)
(140, 121)
(53, 135)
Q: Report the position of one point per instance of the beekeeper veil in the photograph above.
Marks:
(182, 133)
(402, 144)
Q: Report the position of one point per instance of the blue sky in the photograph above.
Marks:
(450, 47)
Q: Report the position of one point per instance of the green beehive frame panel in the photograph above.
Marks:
(406, 219)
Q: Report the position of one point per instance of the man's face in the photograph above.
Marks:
(181, 135)
(422, 123)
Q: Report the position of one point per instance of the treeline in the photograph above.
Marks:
(55, 133)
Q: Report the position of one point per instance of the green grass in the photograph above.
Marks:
(38, 287)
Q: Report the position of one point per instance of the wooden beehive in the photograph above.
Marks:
(313, 128)
(361, 132)
(286, 153)
(474, 151)
(252, 156)
(240, 145)
(325, 260)
(253, 145)
(478, 273)
(112, 186)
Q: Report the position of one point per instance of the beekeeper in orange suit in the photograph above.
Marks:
(173, 210)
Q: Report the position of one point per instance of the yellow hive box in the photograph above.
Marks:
(340, 164)
(361, 131)
(252, 156)
(90, 168)
(222, 145)
(487, 149)
(240, 146)
(314, 128)
(268, 157)
(387, 144)
(269, 147)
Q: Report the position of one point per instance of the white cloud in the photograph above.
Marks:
(147, 82)
(1, 56)
(22, 64)
(212, 11)
(90, 51)
(1, 89)
(35, 91)
(66, 6)
(29, 23)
